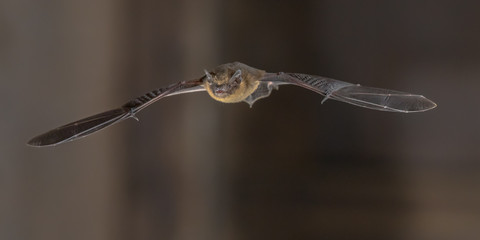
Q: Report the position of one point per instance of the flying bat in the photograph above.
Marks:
(237, 82)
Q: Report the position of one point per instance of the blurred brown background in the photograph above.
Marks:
(193, 168)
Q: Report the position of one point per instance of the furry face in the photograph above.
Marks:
(231, 83)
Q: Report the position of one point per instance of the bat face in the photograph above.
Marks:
(232, 82)
(223, 83)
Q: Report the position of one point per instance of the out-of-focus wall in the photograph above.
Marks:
(193, 168)
(59, 60)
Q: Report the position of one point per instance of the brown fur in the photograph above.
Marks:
(223, 73)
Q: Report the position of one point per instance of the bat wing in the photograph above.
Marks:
(89, 125)
(368, 97)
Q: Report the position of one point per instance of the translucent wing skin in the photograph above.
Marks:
(242, 83)
(89, 125)
(368, 97)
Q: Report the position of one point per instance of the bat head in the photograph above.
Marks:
(223, 84)
(231, 82)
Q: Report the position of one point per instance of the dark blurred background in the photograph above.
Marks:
(193, 168)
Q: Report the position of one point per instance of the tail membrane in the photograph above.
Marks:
(382, 99)
(80, 128)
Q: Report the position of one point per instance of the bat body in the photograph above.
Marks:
(237, 82)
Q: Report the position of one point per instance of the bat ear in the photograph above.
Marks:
(236, 75)
(209, 76)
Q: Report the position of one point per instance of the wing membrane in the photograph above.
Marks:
(368, 97)
(383, 99)
(89, 125)
(79, 128)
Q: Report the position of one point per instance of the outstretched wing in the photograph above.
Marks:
(368, 97)
(89, 125)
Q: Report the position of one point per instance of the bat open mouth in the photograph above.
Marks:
(221, 93)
